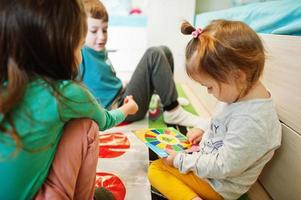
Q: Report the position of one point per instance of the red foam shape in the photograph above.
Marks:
(112, 145)
(112, 183)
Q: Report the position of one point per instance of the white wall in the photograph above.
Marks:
(164, 20)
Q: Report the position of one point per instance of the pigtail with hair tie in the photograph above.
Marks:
(187, 28)
(197, 33)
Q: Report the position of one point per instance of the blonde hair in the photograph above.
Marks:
(222, 47)
(95, 9)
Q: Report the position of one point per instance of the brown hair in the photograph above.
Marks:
(224, 46)
(38, 38)
(95, 9)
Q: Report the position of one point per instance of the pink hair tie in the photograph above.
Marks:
(196, 33)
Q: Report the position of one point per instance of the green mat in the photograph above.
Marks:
(159, 123)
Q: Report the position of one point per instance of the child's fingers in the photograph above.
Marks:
(191, 137)
(196, 140)
(165, 160)
(128, 98)
(168, 151)
(195, 135)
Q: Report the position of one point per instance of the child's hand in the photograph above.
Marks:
(195, 135)
(169, 159)
(129, 106)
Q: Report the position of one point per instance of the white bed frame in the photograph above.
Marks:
(282, 176)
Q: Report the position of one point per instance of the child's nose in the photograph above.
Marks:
(100, 35)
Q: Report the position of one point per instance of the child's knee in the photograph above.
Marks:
(158, 53)
(166, 51)
(155, 166)
(159, 50)
(157, 163)
(154, 52)
(92, 132)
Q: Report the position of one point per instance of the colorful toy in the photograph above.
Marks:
(159, 140)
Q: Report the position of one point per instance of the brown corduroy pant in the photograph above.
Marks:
(72, 174)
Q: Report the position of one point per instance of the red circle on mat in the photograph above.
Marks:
(112, 183)
(112, 145)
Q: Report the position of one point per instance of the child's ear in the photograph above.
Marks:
(239, 76)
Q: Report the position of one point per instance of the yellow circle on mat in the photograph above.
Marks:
(168, 139)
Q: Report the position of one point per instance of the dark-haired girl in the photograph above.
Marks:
(48, 121)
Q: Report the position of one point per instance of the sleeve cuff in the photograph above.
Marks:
(177, 162)
(118, 115)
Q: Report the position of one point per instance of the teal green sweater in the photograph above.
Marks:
(99, 76)
(39, 120)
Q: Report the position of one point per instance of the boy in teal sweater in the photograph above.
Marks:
(154, 73)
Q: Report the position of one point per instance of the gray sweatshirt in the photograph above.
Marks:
(239, 141)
